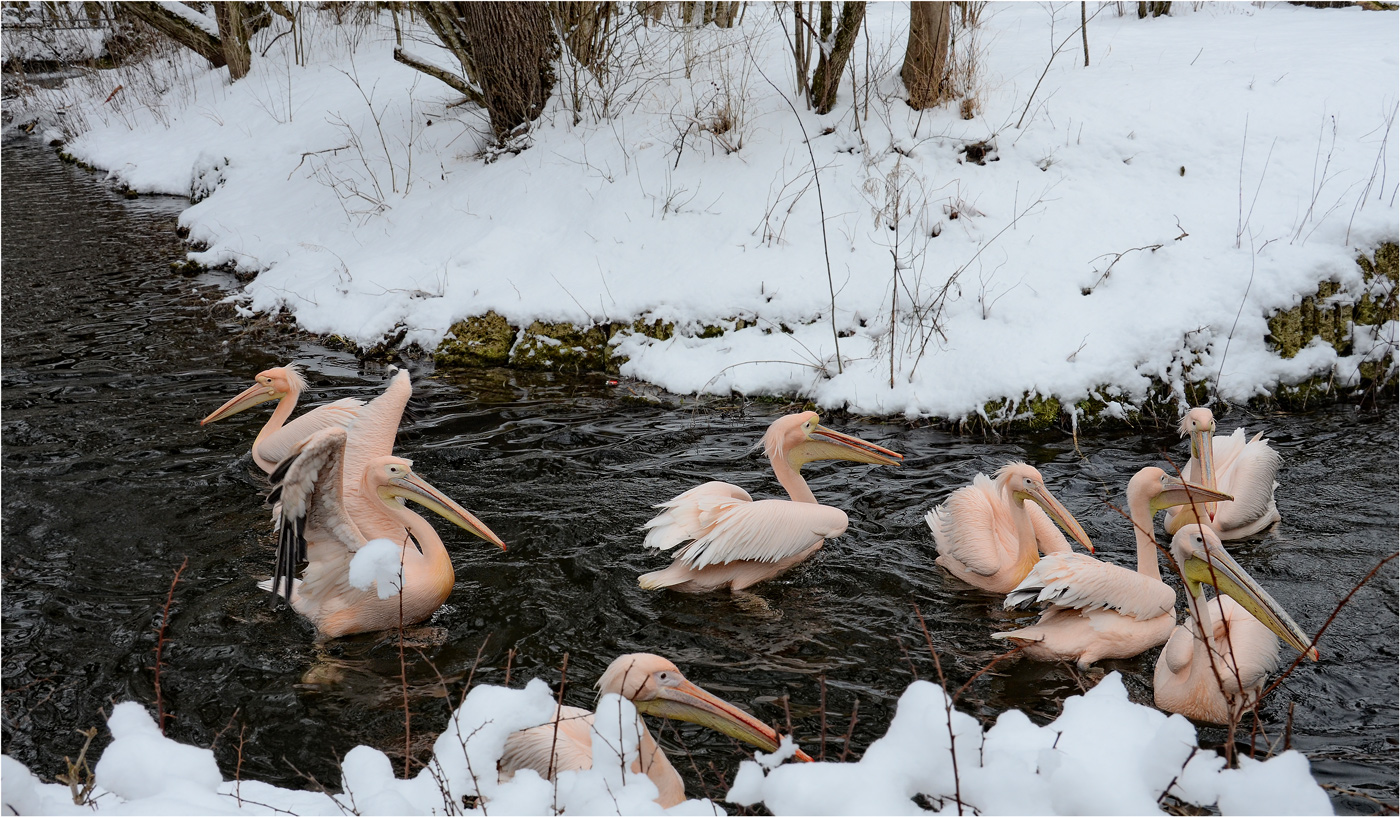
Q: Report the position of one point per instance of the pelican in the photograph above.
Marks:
(729, 539)
(655, 687)
(278, 437)
(986, 535)
(1096, 610)
(316, 528)
(1214, 669)
(1245, 470)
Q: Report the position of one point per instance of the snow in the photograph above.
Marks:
(1103, 755)
(378, 563)
(1254, 148)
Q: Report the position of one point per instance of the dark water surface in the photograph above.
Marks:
(110, 359)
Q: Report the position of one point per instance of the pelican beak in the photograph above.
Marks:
(1177, 492)
(688, 702)
(1203, 449)
(417, 489)
(826, 444)
(253, 395)
(1062, 517)
(1218, 569)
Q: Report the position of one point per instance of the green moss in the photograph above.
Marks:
(188, 267)
(484, 340)
(562, 347)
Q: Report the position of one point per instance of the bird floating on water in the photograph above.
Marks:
(1215, 663)
(987, 536)
(655, 687)
(1245, 470)
(1095, 610)
(317, 527)
(727, 538)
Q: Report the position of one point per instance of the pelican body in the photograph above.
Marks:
(656, 687)
(728, 539)
(1245, 470)
(278, 437)
(1215, 663)
(1095, 610)
(317, 528)
(987, 536)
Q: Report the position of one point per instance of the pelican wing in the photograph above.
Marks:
(308, 488)
(372, 435)
(1243, 641)
(277, 447)
(571, 745)
(718, 523)
(1082, 582)
(974, 527)
(1246, 471)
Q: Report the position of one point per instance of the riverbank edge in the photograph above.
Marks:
(1327, 315)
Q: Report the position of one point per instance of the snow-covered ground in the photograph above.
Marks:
(1137, 222)
(1103, 755)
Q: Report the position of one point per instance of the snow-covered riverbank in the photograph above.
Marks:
(1132, 226)
(1103, 755)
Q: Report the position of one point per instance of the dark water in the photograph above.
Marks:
(109, 360)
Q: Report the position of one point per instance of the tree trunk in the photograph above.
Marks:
(233, 33)
(179, 29)
(926, 58)
(827, 79)
(506, 51)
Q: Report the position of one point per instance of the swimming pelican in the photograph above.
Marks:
(986, 535)
(1095, 610)
(278, 437)
(729, 539)
(1245, 470)
(1210, 677)
(316, 528)
(655, 687)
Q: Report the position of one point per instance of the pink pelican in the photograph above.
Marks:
(655, 687)
(1096, 610)
(986, 535)
(729, 539)
(1245, 470)
(317, 527)
(1214, 668)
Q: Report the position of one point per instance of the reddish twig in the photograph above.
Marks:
(160, 642)
(948, 709)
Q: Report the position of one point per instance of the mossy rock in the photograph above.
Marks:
(1032, 413)
(562, 347)
(484, 340)
(1321, 316)
(188, 267)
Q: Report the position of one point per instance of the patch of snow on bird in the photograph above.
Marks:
(378, 563)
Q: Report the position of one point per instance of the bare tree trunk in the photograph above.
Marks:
(1084, 29)
(827, 79)
(233, 34)
(927, 56)
(506, 51)
(177, 28)
(585, 26)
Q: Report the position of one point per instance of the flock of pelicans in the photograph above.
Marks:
(337, 487)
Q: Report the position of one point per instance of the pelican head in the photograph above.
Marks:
(271, 384)
(393, 480)
(1199, 424)
(801, 439)
(656, 687)
(1025, 483)
(1166, 491)
(1203, 560)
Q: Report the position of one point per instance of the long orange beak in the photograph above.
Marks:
(1057, 512)
(417, 489)
(253, 395)
(825, 444)
(688, 702)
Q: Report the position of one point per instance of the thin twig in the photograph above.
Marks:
(160, 642)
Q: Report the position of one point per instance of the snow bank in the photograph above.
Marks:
(1207, 170)
(1103, 755)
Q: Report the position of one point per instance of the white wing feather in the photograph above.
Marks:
(279, 446)
(314, 526)
(718, 523)
(973, 527)
(1248, 474)
(1082, 582)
